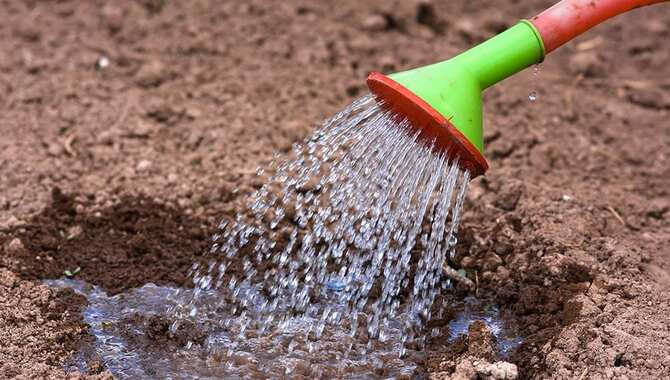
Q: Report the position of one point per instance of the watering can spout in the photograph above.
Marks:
(449, 92)
(442, 101)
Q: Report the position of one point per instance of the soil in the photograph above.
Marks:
(130, 129)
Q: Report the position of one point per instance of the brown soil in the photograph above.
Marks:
(568, 232)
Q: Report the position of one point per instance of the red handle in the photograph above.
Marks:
(570, 18)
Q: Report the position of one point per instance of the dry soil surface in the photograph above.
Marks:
(130, 128)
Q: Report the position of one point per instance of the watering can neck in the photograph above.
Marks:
(526, 43)
(501, 56)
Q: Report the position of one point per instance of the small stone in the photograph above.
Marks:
(15, 247)
(504, 371)
(467, 262)
(106, 137)
(587, 63)
(648, 98)
(112, 16)
(12, 221)
(193, 112)
(172, 178)
(466, 28)
(73, 232)
(142, 129)
(376, 23)
(55, 149)
(658, 208)
(151, 74)
(657, 26)
(491, 262)
(503, 273)
(388, 63)
(162, 112)
(143, 166)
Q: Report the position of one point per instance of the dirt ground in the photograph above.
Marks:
(130, 128)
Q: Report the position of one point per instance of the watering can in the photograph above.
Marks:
(443, 101)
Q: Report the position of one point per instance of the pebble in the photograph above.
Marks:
(648, 98)
(172, 178)
(491, 262)
(503, 370)
(112, 16)
(143, 166)
(141, 129)
(193, 112)
(106, 137)
(587, 63)
(151, 74)
(55, 149)
(467, 29)
(12, 221)
(503, 273)
(15, 246)
(467, 262)
(375, 23)
(74, 232)
(656, 26)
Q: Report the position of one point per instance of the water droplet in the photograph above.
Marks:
(336, 285)
(102, 63)
(536, 70)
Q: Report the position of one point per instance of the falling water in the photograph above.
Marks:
(350, 233)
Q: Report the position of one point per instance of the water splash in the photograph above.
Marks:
(132, 345)
(504, 330)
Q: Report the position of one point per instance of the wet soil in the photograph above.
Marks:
(130, 128)
(124, 246)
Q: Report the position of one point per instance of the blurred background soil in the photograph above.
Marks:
(129, 129)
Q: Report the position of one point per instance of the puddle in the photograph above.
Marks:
(503, 329)
(129, 349)
(125, 345)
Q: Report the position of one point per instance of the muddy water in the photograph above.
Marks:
(278, 354)
(128, 348)
(503, 329)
